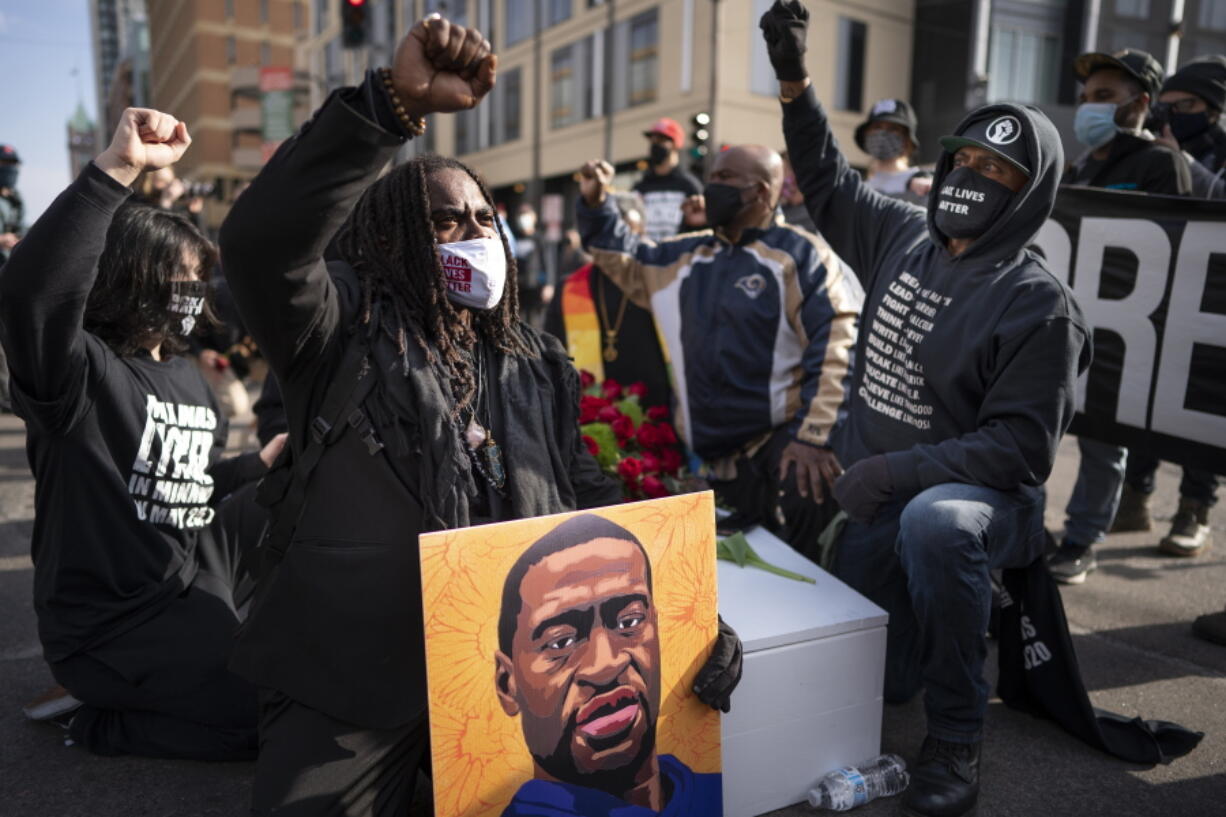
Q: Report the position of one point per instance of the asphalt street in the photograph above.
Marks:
(1130, 625)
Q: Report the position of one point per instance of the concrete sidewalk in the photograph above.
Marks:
(1131, 629)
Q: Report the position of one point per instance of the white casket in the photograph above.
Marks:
(810, 698)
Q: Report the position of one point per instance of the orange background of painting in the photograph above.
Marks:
(478, 751)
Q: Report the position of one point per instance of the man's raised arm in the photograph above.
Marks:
(273, 241)
(859, 223)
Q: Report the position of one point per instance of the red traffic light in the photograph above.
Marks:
(357, 2)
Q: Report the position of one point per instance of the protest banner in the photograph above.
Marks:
(561, 652)
(1150, 275)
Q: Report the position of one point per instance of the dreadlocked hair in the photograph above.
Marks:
(389, 241)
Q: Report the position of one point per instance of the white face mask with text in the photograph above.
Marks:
(476, 272)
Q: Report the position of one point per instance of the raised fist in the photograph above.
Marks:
(441, 67)
(785, 25)
(595, 177)
(145, 139)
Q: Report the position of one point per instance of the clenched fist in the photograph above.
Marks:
(145, 139)
(595, 177)
(441, 67)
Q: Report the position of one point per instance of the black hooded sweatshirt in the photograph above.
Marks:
(966, 365)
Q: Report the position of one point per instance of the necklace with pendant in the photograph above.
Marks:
(483, 449)
(611, 329)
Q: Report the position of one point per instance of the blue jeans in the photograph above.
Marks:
(1096, 495)
(927, 562)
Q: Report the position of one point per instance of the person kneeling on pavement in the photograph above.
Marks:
(413, 403)
(139, 575)
(966, 370)
(758, 319)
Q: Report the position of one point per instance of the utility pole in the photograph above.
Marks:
(536, 189)
(712, 105)
(607, 80)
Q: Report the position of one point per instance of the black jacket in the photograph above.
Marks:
(1134, 163)
(966, 365)
(338, 624)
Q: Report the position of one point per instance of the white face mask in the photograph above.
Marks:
(476, 272)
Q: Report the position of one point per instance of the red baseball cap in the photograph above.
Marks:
(668, 128)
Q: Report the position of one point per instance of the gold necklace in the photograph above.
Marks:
(610, 335)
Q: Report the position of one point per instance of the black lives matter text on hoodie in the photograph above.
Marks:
(966, 365)
(125, 451)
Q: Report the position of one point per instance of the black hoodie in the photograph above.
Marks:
(966, 366)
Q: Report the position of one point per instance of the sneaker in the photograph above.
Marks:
(1211, 627)
(1072, 563)
(945, 781)
(1189, 534)
(1133, 513)
(53, 705)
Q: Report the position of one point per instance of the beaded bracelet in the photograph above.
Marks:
(414, 127)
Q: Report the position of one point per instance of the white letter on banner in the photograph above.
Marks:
(1186, 325)
(1054, 242)
(1128, 317)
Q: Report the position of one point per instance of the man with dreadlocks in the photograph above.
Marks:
(451, 412)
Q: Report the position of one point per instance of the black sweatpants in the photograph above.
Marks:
(162, 688)
(313, 765)
(759, 496)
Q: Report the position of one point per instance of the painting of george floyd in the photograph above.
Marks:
(561, 652)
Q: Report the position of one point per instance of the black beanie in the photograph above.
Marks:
(1205, 77)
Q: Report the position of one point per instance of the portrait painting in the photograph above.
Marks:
(561, 653)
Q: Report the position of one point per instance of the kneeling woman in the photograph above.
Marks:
(135, 555)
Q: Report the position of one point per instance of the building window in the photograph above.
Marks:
(229, 9)
(644, 43)
(1138, 9)
(332, 63)
(265, 54)
(556, 11)
(466, 132)
(454, 10)
(564, 101)
(1212, 15)
(264, 11)
(849, 70)
(505, 111)
(231, 51)
(1024, 66)
(297, 16)
(321, 15)
(521, 20)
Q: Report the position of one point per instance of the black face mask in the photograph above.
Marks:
(659, 153)
(969, 203)
(1187, 126)
(8, 176)
(187, 301)
(723, 202)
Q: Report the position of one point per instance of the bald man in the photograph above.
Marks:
(758, 320)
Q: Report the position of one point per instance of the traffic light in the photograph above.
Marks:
(700, 134)
(355, 23)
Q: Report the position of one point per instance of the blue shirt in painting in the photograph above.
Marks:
(689, 795)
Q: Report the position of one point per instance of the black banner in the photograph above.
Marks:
(1150, 275)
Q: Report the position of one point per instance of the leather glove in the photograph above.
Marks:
(785, 26)
(864, 487)
(722, 672)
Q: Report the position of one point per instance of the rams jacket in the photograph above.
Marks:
(758, 333)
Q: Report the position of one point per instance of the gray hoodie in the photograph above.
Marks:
(966, 366)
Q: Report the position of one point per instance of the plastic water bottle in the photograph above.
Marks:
(853, 786)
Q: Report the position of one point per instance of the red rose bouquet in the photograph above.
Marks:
(634, 443)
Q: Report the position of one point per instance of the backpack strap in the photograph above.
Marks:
(284, 489)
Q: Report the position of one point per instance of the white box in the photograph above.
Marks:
(810, 698)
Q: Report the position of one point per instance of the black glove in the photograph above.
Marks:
(722, 672)
(863, 487)
(785, 26)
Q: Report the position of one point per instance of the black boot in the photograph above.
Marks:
(945, 781)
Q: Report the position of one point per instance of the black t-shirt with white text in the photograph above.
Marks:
(662, 197)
